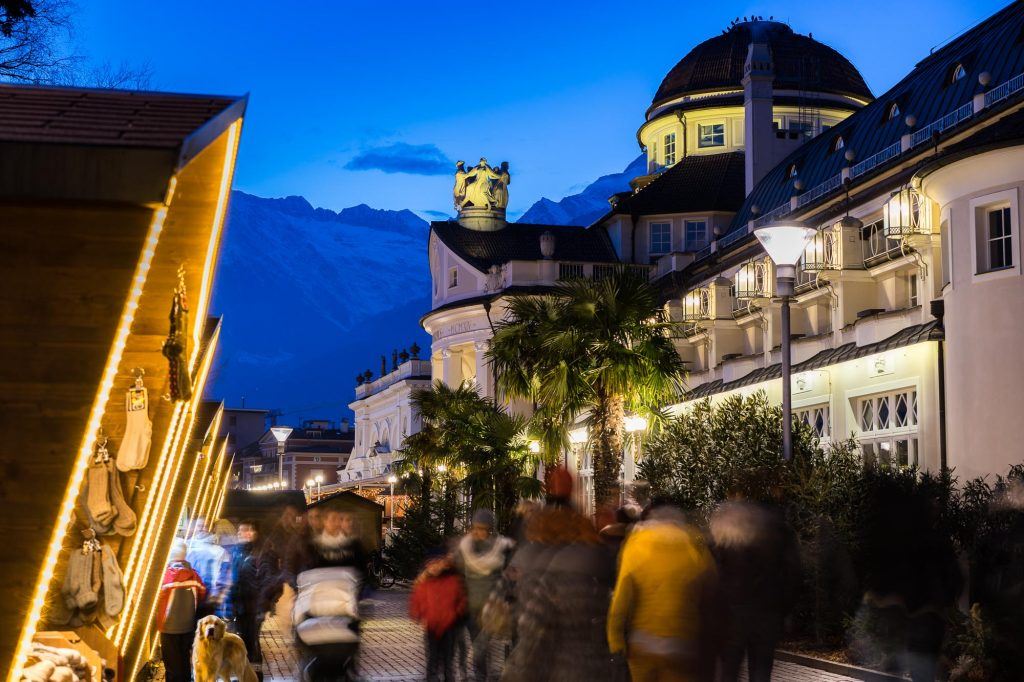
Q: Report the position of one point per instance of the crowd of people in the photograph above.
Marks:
(238, 574)
(648, 597)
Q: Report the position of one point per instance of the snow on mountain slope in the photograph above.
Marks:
(587, 206)
(312, 297)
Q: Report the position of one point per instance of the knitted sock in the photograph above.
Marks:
(98, 496)
(124, 519)
(74, 578)
(89, 589)
(39, 672)
(113, 588)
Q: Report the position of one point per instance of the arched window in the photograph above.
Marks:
(894, 111)
(957, 73)
(792, 172)
(838, 143)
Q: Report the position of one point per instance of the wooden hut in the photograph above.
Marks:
(111, 209)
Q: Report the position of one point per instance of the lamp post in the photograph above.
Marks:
(281, 433)
(309, 488)
(785, 243)
(392, 480)
(319, 480)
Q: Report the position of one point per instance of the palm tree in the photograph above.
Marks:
(479, 444)
(597, 347)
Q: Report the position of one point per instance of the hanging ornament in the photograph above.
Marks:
(176, 346)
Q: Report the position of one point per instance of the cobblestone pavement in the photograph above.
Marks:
(392, 647)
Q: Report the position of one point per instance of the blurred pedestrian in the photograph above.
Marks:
(251, 591)
(568, 574)
(437, 603)
(338, 544)
(213, 564)
(481, 556)
(614, 534)
(181, 592)
(666, 578)
(759, 573)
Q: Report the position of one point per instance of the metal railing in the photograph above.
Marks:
(570, 271)
(732, 237)
(821, 190)
(1004, 90)
(703, 253)
(874, 160)
(774, 214)
(948, 121)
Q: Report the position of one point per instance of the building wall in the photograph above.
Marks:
(984, 316)
(245, 426)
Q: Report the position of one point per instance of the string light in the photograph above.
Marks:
(64, 515)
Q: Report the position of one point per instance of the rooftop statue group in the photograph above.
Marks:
(482, 186)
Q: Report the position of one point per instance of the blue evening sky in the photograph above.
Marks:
(367, 102)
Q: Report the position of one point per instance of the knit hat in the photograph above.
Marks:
(483, 517)
(178, 550)
(558, 483)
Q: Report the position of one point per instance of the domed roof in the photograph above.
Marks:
(801, 63)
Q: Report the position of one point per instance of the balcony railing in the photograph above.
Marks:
(754, 280)
(697, 305)
(821, 190)
(408, 369)
(822, 253)
(570, 271)
(948, 121)
(1004, 90)
(772, 215)
(890, 152)
(732, 237)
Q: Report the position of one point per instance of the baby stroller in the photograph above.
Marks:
(326, 618)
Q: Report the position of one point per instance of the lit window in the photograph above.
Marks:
(958, 72)
(999, 240)
(670, 149)
(453, 278)
(889, 427)
(696, 234)
(711, 135)
(661, 238)
(838, 143)
(894, 111)
(817, 418)
(913, 298)
(792, 172)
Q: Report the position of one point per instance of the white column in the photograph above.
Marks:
(484, 373)
(450, 369)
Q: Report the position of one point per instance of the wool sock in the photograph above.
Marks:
(124, 519)
(98, 496)
(113, 588)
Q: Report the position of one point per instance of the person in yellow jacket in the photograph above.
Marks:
(665, 582)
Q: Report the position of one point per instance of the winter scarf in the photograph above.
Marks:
(488, 561)
(338, 550)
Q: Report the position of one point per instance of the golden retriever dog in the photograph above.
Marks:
(218, 654)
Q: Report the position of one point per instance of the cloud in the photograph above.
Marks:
(414, 159)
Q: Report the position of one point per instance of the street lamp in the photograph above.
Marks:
(309, 487)
(319, 479)
(785, 243)
(281, 433)
(392, 479)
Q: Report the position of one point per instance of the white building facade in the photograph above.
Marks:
(905, 321)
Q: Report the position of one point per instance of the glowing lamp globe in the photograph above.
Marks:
(281, 433)
(392, 479)
(785, 242)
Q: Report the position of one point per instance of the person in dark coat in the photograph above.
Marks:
(251, 591)
(338, 545)
(758, 561)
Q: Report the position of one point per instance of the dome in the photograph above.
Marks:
(801, 63)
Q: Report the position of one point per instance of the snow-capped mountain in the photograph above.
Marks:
(587, 206)
(311, 298)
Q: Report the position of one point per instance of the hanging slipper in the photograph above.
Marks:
(124, 517)
(113, 587)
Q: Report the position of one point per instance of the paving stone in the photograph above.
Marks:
(392, 647)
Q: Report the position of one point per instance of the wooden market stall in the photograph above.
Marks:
(111, 209)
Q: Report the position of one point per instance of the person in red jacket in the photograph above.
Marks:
(437, 603)
(181, 591)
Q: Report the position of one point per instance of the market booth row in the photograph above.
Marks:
(111, 209)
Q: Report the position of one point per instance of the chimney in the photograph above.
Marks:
(759, 135)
